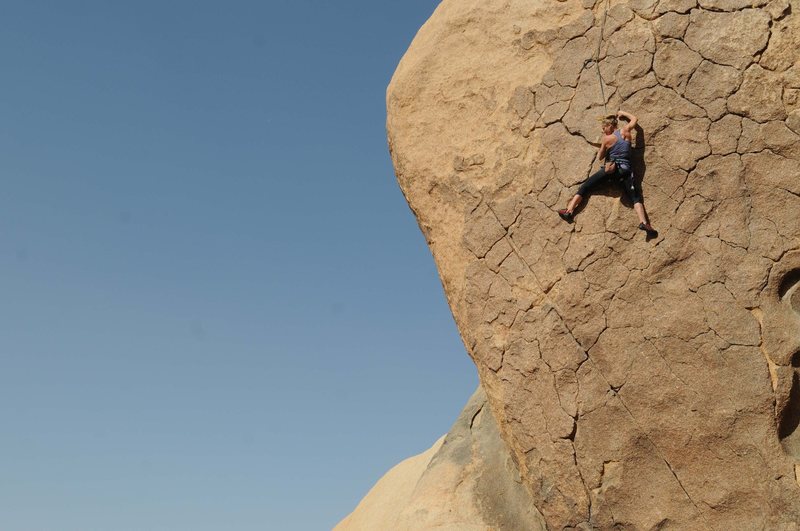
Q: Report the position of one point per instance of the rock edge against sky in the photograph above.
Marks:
(639, 384)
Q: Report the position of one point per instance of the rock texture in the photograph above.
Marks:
(637, 385)
(467, 481)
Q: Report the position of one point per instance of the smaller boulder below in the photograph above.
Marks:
(466, 482)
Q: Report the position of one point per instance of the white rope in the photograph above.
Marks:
(597, 58)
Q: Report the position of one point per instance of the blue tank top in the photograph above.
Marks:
(621, 150)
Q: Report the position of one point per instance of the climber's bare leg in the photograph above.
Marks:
(573, 203)
(640, 211)
(644, 223)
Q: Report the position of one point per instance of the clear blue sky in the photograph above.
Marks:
(217, 311)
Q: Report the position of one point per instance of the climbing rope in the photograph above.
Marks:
(597, 58)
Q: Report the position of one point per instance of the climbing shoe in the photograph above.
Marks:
(651, 232)
(566, 215)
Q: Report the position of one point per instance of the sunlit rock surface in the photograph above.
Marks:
(637, 384)
(467, 481)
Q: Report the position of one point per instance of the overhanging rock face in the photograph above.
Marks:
(649, 385)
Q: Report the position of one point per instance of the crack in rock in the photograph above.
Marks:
(609, 358)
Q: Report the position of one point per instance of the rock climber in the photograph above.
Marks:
(615, 149)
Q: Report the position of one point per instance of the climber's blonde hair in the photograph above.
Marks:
(611, 120)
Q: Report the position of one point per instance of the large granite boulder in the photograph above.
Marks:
(467, 481)
(637, 384)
